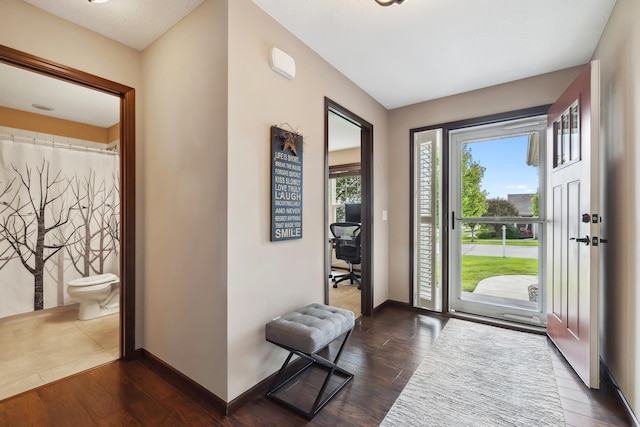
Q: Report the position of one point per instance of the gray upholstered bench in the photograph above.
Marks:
(304, 333)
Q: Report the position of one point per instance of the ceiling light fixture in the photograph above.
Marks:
(388, 2)
(42, 107)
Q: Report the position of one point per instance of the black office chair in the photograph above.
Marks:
(346, 242)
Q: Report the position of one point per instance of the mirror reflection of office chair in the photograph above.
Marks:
(346, 242)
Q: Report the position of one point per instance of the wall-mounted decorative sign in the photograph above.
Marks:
(286, 185)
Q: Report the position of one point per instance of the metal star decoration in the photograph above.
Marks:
(290, 143)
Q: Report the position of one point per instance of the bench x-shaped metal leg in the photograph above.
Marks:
(312, 358)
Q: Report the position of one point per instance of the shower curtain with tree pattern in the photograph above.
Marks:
(59, 220)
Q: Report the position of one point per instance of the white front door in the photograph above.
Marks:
(573, 224)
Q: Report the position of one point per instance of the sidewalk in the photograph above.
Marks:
(496, 250)
(514, 286)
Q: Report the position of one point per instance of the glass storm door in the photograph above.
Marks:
(495, 228)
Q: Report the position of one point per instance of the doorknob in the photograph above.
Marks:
(584, 240)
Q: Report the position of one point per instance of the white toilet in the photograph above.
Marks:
(98, 295)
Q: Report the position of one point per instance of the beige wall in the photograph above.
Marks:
(54, 126)
(268, 279)
(619, 55)
(185, 116)
(205, 310)
(531, 92)
(344, 157)
(113, 133)
(34, 31)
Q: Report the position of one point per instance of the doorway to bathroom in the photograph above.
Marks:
(66, 141)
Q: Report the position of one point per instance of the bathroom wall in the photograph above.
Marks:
(54, 126)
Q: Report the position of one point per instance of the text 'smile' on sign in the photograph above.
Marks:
(286, 185)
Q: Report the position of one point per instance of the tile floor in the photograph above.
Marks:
(44, 346)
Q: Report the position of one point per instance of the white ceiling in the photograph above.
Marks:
(401, 54)
(342, 133)
(19, 89)
(427, 49)
(135, 23)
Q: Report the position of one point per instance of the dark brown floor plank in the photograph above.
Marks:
(570, 383)
(176, 381)
(594, 411)
(383, 352)
(573, 394)
(118, 419)
(24, 410)
(135, 401)
(93, 397)
(174, 402)
(63, 408)
(578, 420)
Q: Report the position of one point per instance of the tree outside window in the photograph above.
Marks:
(474, 199)
(348, 189)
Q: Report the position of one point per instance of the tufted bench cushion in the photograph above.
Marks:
(310, 328)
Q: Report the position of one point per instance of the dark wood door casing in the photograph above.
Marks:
(366, 173)
(127, 174)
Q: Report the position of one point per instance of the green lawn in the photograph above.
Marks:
(476, 268)
(510, 242)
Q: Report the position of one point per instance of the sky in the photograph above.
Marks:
(506, 171)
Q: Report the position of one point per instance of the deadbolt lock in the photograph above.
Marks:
(595, 218)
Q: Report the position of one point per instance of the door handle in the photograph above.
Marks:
(584, 240)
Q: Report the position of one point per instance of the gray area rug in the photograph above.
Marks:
(479, 375)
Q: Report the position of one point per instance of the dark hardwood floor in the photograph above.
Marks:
(383, 353)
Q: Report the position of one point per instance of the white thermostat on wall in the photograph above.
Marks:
(282, 63)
